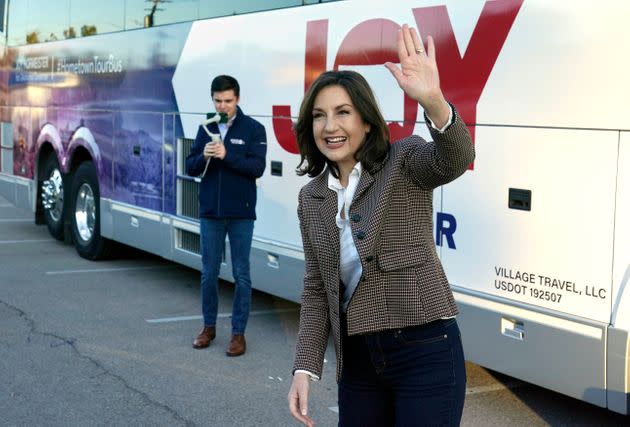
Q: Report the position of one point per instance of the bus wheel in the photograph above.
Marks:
(52, 197)
(85, 211)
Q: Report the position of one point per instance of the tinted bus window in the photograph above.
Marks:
(46, 21)
(96, 17)
(18, 20)
(141, 13)
(210, 8)
(36, 21)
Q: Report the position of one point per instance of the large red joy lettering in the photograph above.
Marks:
(373, 42)
(463, 78)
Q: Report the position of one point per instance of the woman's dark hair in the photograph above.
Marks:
(223, 83)
(376, 143)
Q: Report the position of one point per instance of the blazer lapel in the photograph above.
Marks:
(367, 176)
(365, 182)
(327, 209)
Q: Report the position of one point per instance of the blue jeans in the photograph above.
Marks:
(413, 376)
(213, 232)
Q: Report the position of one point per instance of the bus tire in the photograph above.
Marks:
(86, 215)
(52, 195)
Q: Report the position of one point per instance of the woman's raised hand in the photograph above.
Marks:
(418, 74)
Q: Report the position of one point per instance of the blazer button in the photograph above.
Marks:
(360, 235)
(356, 217)
(369, 258)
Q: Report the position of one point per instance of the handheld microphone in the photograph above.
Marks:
(215, 118)
(215, 137)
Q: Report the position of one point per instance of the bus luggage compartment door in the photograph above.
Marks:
(564, 354)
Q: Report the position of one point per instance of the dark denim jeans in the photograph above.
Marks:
(413, 376)
(213, 232)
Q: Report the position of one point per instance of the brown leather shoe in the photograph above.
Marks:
(236, 346)
(206, 335)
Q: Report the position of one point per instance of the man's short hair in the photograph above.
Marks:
(223, 83)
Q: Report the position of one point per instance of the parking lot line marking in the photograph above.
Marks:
(105, 270)
(492, 388)
(335, 409)
(263, 312)
(220, 315)
(17, 220)
(173, 319)
(7, 242)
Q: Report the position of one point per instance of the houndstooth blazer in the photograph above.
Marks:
(391, 216)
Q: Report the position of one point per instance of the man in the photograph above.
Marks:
(227, 205)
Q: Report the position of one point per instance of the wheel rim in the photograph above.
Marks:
(52, 195)
(85, 212)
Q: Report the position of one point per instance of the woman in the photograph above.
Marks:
(372, 273)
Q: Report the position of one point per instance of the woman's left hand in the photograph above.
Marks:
(418, 74)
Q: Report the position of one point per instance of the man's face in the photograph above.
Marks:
(225, 102)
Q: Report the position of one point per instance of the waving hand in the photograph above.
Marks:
(418, 74)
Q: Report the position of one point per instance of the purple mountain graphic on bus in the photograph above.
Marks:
(120, 91)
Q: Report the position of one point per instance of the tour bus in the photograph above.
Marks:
(99, 102)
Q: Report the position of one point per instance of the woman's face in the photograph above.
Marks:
(338, 129)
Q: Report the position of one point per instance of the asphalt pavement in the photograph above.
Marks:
(109, 343)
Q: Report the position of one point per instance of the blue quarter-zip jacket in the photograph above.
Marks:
(228, 190)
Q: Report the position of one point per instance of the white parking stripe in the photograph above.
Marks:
(220, 315)
(106, 270)
(173, 319)
(8, 242)
(493, 387)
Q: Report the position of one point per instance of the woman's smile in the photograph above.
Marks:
(335, 142)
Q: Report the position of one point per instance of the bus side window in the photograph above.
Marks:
(212, 8)
(140, 13)
(46, 20)
(18, 22)
(96, 18)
